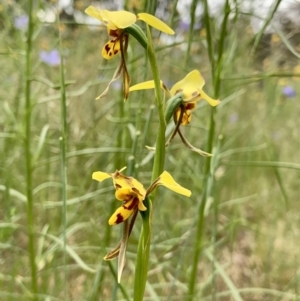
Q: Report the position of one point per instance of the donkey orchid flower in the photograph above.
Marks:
(116, 22)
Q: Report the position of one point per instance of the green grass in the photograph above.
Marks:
(250, 234)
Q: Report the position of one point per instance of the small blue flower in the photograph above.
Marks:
(289, 91)
(21, 22)
(51, 58)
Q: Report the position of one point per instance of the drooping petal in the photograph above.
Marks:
(111, 48)
(100, 176)
(116, 76)
(154, 22)
(126, 83)
(192, 148)
(165, 179)
(189, 86)
(212, 102)
(123, 212)
(143, 86)
(147, 85)
(115, 252)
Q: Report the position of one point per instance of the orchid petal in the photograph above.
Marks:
(120, 19)
(165, 179)
(134, 186)
(186, 117)
(143, 86)
(112, 19)
(123, 212)
(100, 176)
(141, 206)
(123, 194)
(94, 12)
(212, 102)
(147, 85)
(189, 86)
(155, 22)
(111, 48)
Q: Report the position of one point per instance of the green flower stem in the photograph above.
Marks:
(216, 75)
(63, 161)
(158, 166)
(29, 167)
(159, 158)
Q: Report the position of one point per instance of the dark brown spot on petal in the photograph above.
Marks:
(107, 48)
(164, 86)
(116, 51)
(179, 91)
(196, 93)
(132, 205)
(136, 191)
(118, 186)
(119, 219)
(113, 33)
(190, 106)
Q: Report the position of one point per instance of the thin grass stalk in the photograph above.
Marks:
(142, 262)
(267, 21)
(191, 31)
(211, 133)
(174, 12)
(29, 168)
(63, 150)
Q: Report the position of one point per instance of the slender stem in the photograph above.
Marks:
(158, 165)
(159, 159)
(191, 31)
(29, 169)
(174, 11)
(63, 150)
(216, 72)
(267, 21)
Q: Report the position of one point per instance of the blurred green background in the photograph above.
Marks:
(251, 228)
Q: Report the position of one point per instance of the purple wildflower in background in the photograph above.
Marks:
(288, 91)
(51, 58)
(184, 26)
(21, 22)
(233, 118)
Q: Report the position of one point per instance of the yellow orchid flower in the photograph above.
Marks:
(191, 90)
(132, 192)
(116, 22)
